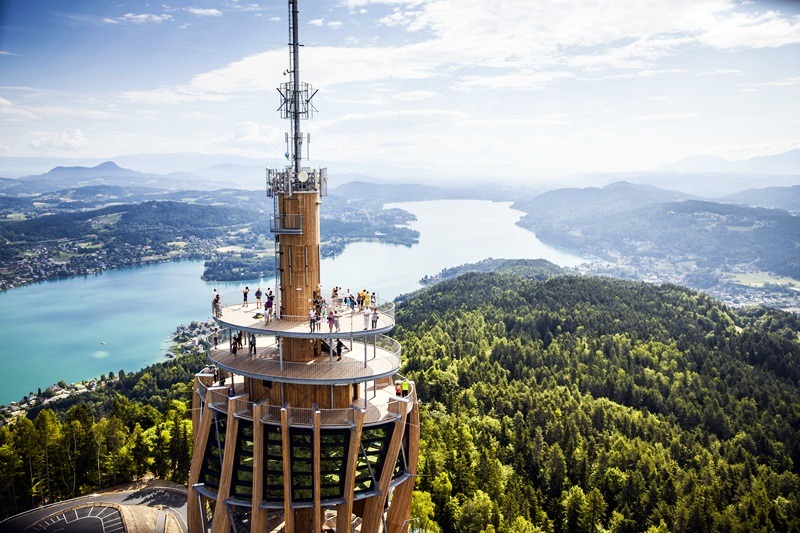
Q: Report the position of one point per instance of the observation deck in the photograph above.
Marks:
(374, 359)
(351, 322)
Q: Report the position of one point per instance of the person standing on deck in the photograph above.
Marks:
(252, 344)
(258, 298)
(366, 317)
(405, 386)
(244, 296)
(374, 317)
(268, 306)
(312, 319)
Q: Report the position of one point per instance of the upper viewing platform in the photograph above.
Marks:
(346, 322)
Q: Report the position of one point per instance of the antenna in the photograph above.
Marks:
(295, 95)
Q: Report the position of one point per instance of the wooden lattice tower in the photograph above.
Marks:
(304, 431)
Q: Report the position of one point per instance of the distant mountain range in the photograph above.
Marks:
(640, 221)
(785, 163)
(778, 197)
(110, 173)
(700, 175)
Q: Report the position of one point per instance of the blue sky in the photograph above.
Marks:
(496, 88)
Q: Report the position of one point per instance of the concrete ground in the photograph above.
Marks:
(152, 507)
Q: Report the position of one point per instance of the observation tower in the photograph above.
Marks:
(303, 430)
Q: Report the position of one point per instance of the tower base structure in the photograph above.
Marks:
(262, 464)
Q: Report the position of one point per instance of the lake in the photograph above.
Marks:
(80, 328)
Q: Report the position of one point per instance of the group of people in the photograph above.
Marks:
(321, 310)
(401, 388)
(238, 343)
(365, 301)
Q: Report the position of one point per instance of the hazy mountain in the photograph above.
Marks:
(576, 203)
(784, 163)
(704, 184)
(780, 197)
(107, 173)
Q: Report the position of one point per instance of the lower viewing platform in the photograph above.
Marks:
(350, 361)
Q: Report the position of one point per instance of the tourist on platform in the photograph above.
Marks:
(216, 338)
(374, 317)
(258, 298)
(331, 321)
(252, 344)
(312, 319)
(234, 346)
(405, 387)
(216, 305)
(268, 306)
(366, 317)
(319, 320)
(336, 324)
(244, 296)
(240, 339)
(368, 298)
(339, 346)
(397, 389)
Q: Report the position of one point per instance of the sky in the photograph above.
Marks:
(501, 87)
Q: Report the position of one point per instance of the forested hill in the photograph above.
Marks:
(577, 404)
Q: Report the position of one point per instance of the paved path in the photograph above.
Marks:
(87, 514)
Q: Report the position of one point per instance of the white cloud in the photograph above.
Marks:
(721, 72)
(665, 116)
(204, 12)
(315, 22)
(59, 142)
(781, 83)
(414, 95)
(12, 112)
(515, 81)
(110, 21)
(275, 19)
(251, 135)
(145, 18)
(742, 30)
(335, 24)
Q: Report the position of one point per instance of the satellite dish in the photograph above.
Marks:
(302, 176)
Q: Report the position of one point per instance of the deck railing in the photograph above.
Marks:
(379, 356)
(286, 224)
(234, 300)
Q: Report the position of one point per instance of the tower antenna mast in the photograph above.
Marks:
(295, 97)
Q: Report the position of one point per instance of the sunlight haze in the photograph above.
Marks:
(467, 87)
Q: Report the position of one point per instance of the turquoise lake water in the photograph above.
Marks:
(81, 328)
